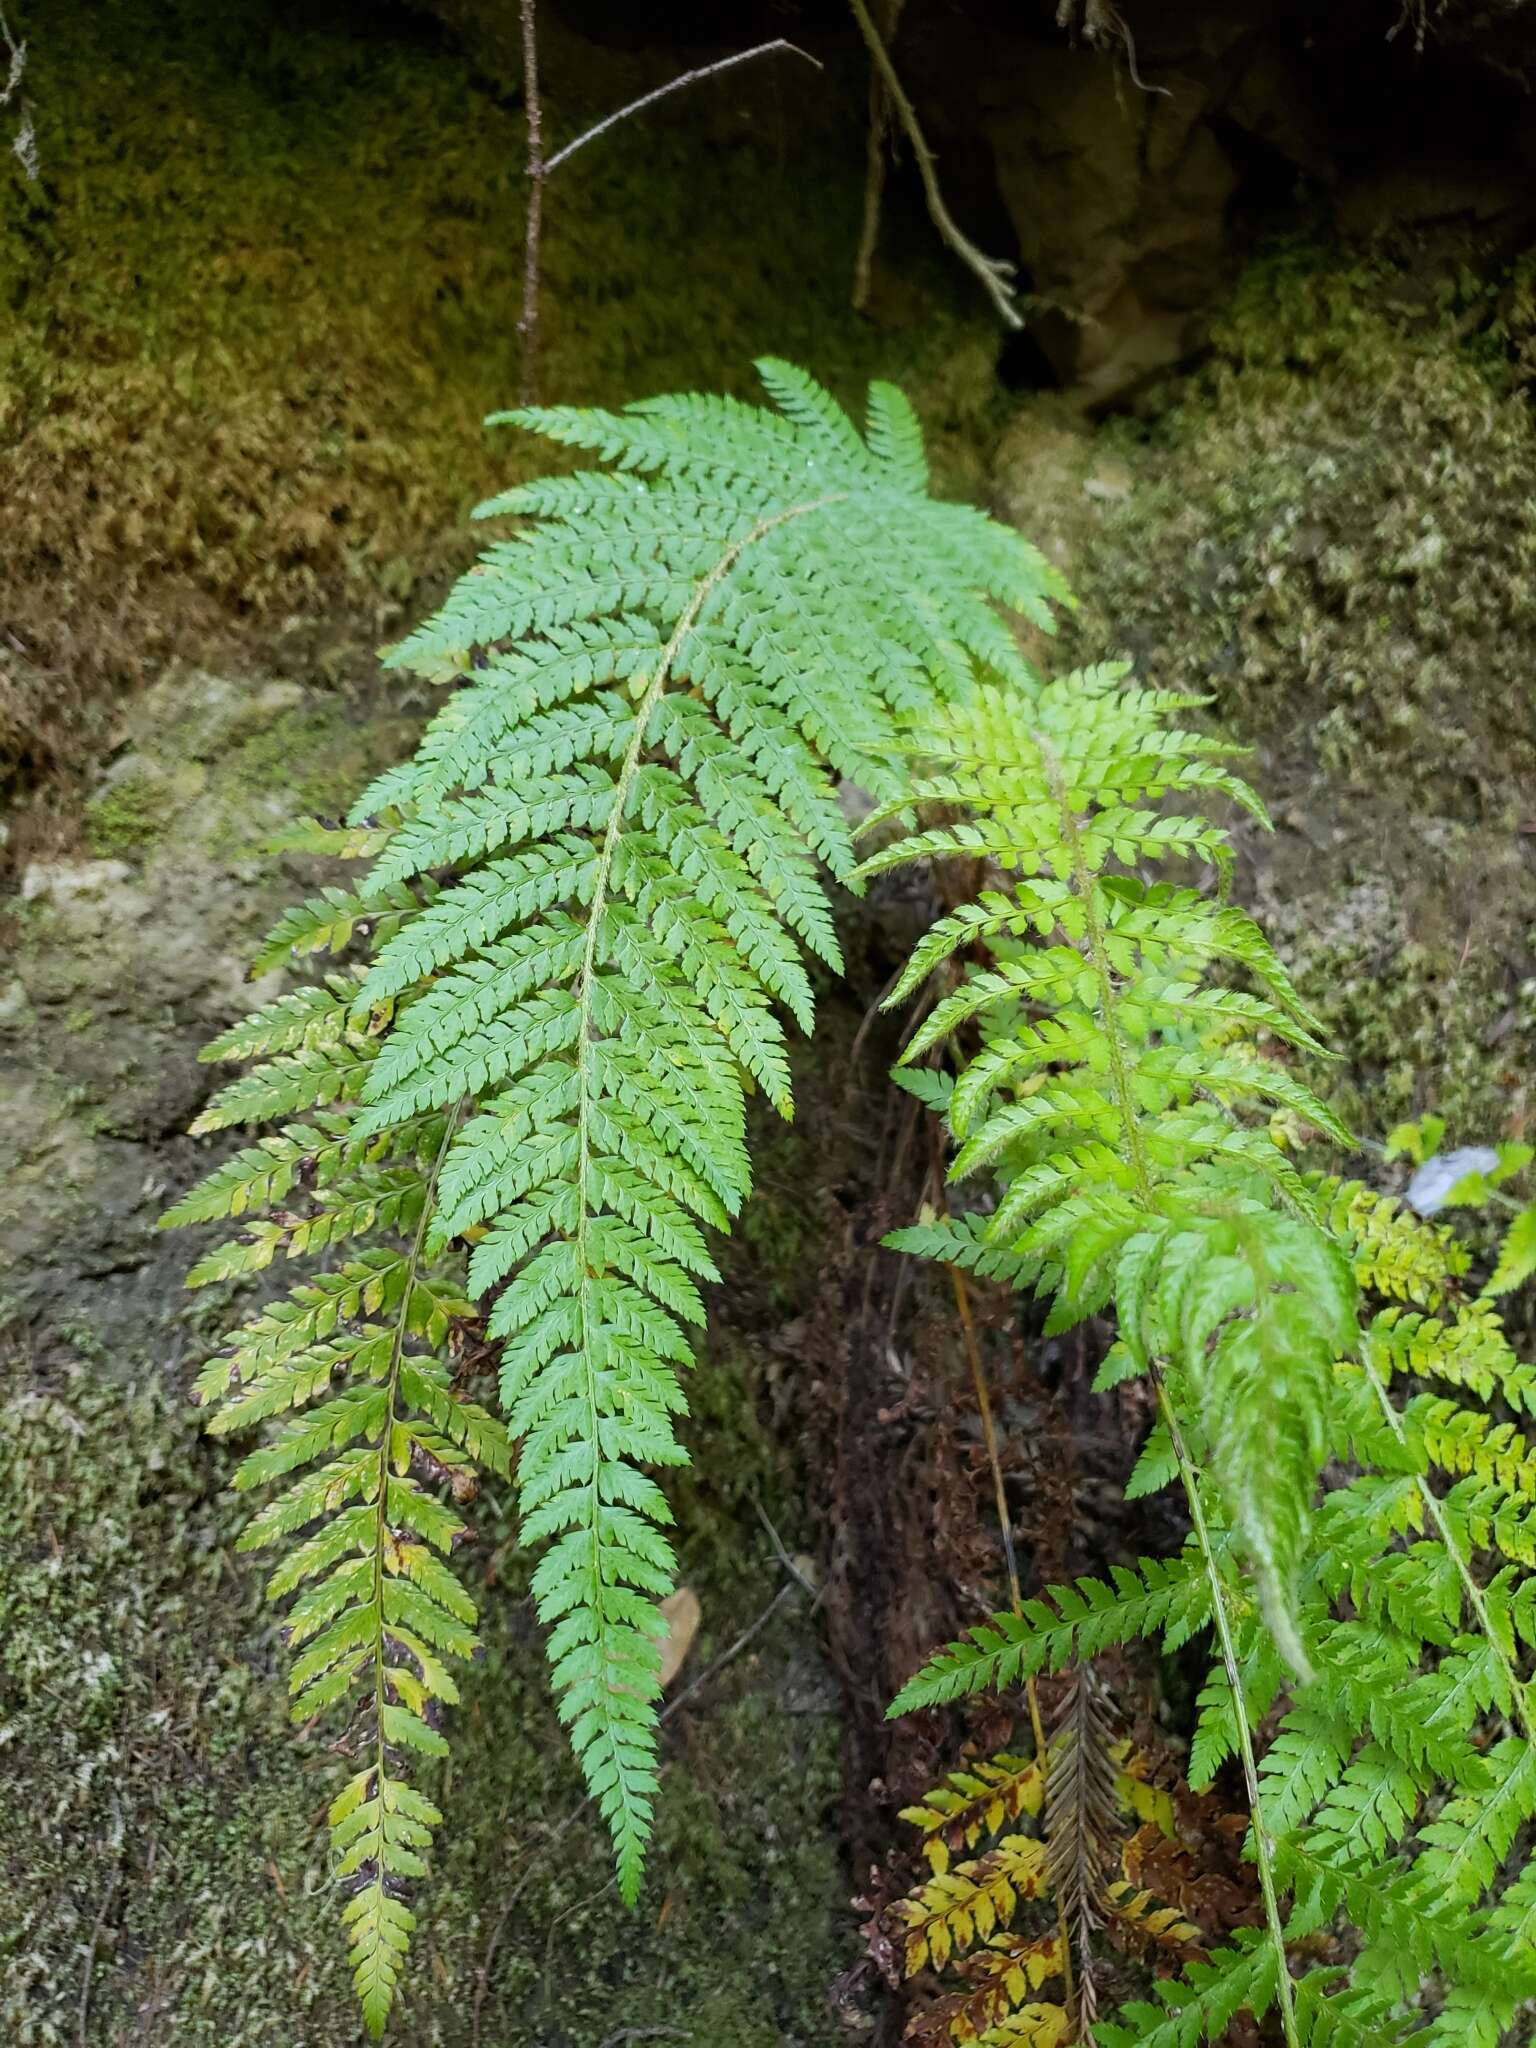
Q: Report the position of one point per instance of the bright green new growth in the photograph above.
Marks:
(1113, 1090)
(590, 895)
(1111, 1066)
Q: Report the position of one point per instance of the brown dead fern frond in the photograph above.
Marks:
(1083, 1826)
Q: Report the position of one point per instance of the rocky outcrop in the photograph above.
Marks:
(1133, 147)
(1127, 148)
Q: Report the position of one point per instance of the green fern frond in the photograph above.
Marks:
(1070, 1622)
(1114, 1089)
(1395, 1253)
(592, 899)
(1202, 2004)
(1517, 1255)
(1115, 1121)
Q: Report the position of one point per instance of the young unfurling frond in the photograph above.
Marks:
(590, 900)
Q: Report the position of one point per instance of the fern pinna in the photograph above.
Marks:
(1363, 1563)
(590, 895)
(1047, 1829)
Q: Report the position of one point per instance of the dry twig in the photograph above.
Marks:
(540, 166)
(733, 1650)
(875, 159)
(24, 142)
(676, 85)
(528, 319)
(995, 273)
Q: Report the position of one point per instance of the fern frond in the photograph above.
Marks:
(958, 1907)
(1082, 1810)
(1517, 1255)
(1395, 1253)
(1035, 2025)
(1148, 1918)
(1113, 1088)
(973, 1802)
(592, 898)
(1070, 1622)
(376, 1617)
(1202, 2004)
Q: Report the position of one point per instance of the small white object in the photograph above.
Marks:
(1438, 1176)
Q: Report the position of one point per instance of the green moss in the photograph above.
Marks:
(154, 1788)
(270, 286)
(125, 818)
(780, 1227)
(1331, 529)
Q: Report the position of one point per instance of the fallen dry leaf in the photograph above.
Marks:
(680, 1611)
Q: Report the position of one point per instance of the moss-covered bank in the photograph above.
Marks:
(267, 288)
(1330, 528)
(165, 1867)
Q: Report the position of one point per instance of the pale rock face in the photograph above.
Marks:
(1436, 1179)
(73, 885)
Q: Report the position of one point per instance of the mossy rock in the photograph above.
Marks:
(1329, 529)
(269, 285)
(165, 1869)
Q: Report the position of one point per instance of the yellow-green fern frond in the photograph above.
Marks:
(1395, 1253)
(956, 1908)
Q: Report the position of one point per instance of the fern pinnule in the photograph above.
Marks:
(1066, 1623)
(975, 1801)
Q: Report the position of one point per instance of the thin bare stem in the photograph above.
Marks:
(874, 167)
(16, 66)
(988, 1428)
(1263, 1845)
(676, 85)
(1016, 1598)
(540, 166)
(994, 272)
(528, 319)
